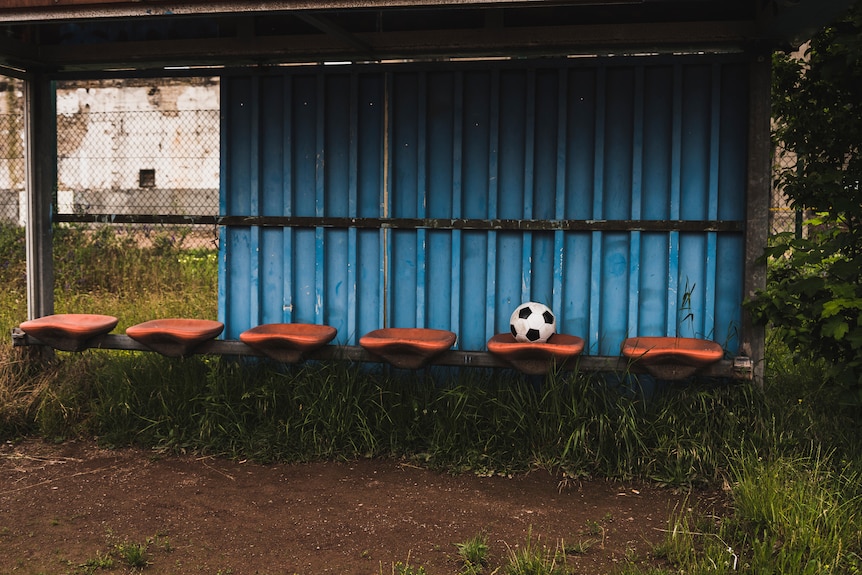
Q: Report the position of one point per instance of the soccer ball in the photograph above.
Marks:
(532, 322)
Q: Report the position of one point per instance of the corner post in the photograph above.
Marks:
(40, 133)
(758, 188)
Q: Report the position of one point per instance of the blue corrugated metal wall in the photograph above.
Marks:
(649, 138)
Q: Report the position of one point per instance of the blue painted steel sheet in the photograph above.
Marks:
(649, 138)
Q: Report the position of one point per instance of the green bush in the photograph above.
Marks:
(814, 292)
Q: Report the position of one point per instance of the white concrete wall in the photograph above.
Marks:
(11, 148)
(110, 130)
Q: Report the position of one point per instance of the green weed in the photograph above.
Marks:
(100, 561)
(474, 554)
(535, 559)
(133, 554)
(800, 515)
(581, 547)
(404, 568)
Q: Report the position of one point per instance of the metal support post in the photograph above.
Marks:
(759, 187)
(40, 119)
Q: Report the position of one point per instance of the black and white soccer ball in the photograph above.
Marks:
(532, 322)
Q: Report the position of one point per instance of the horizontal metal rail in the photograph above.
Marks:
(514, 225)
(739, 368)
(135, 219)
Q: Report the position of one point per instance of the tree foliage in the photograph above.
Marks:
(814, 293)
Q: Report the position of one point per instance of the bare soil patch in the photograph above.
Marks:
(63, 506)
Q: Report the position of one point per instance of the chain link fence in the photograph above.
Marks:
(782, 216)
(141, 153)
(12, 169)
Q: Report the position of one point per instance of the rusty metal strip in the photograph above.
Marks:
(135, 219)
(417, 223)
(489, 224)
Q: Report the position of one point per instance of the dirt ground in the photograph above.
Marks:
(74, 508)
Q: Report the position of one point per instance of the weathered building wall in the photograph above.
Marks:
(135, 146)
(11, 148)
(139, 146)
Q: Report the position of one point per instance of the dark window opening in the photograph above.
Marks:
(147, 178)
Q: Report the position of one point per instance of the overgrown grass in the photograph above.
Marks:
(789, 451)
(481, 421)
(790, 515)
(133, 275)
(795, 491)
(534, 558)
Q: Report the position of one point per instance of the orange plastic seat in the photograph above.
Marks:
(69, 331)
(536, 358)
(287, 342)
(174, 337)
(408, 347)
(672, 357)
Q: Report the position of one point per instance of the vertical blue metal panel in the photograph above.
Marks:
(442, 190)
(581, 149)
(286, 194)
(728, 290)
(603, 139)
(495, 119)
(582, 124)
(616, 205)
(270, 181)
(403, 197)
(653, 292)
(334, 194)
(636, 201)
(510, 268)
(712, 202)
(542, 99)
(421, 201)
(734, 129)
(369, 181)
(731, 204)
(557, 299)
(672, 286)
(234, 288)
(303, 122)
(475, 161)
(656, 182)
(694, 190)
(457, 212)
(595, 334)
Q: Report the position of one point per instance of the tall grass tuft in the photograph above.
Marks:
(133, 275)
(20, 394)
(533, 558)
(794, 475)
(800, 515)
(789, 515)
(13, 276)
(481, 421)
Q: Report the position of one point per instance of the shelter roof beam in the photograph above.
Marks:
(326, 25)
(421, 44)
